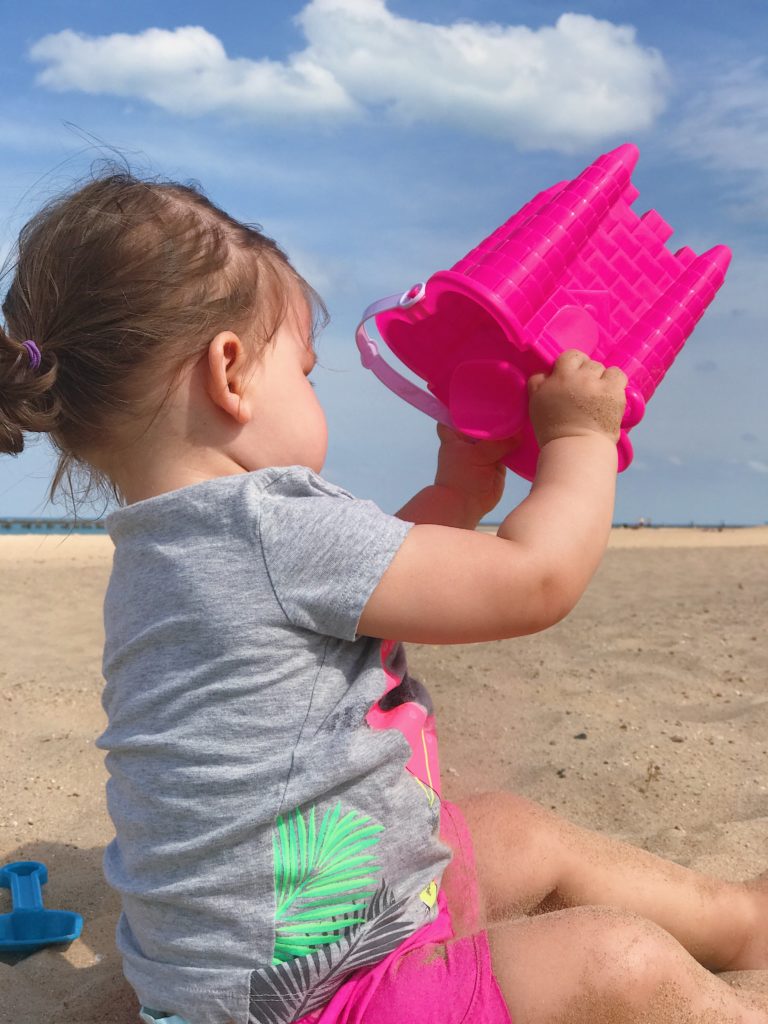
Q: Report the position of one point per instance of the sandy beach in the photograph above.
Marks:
(644, 714)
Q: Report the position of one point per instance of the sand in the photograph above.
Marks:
(643, 714)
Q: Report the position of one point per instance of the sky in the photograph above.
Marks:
(378, 142)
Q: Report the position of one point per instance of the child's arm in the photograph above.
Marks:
(455, 586)
(440, 505)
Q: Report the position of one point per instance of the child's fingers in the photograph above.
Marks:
(449, 436)
(494, 451)
(571, 360)
(574, 362)
(483, 451)
(446, 433)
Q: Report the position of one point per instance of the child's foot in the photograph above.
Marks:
(753, 955)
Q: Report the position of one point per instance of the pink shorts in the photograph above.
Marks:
(446, 980)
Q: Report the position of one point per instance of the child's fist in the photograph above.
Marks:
(472, 467)
(580, 396)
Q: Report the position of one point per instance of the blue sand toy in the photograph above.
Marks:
(29, 926)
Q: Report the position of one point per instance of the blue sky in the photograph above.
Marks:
(379, 142)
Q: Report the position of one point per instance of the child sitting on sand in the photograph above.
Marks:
(282, 850)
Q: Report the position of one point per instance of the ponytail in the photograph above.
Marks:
(26, 402)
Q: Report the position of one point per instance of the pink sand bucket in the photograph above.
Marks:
(574, 268)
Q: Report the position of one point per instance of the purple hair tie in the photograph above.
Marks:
(34, 353)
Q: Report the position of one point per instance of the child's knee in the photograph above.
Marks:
(515, 852)
(633, 961)
(593, 965)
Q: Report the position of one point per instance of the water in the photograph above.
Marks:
(96, 526)
(21, 527)
(673, 526)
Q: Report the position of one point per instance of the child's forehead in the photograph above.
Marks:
(301, 312)
(299, 318)
(302, 306)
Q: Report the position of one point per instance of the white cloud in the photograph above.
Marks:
(186, 71)
(757, 466)
(563, 86)
(725, 124)
(558, 86)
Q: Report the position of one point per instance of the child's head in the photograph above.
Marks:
(164, 325)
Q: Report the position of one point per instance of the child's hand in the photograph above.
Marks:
(580, 396)
(472, 468)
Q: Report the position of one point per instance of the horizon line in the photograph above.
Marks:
(642, 524)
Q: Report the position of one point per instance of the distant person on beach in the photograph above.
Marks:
(281, 849)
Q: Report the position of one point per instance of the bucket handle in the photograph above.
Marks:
(371, 360)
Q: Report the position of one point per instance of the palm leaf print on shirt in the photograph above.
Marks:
(288, 991)
(324, 879)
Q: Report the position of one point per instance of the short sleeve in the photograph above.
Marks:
(325, 555)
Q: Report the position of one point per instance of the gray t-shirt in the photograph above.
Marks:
(275, 829)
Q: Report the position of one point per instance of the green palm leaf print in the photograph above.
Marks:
(324, 878)
(288, 991)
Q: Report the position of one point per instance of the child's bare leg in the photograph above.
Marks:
(594, 965)
(532, 861)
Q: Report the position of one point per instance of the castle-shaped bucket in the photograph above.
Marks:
(574, 268)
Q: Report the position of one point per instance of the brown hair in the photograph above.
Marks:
(121, 283)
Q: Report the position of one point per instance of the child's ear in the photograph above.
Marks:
(225, 379)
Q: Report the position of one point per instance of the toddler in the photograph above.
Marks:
(282, 850)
